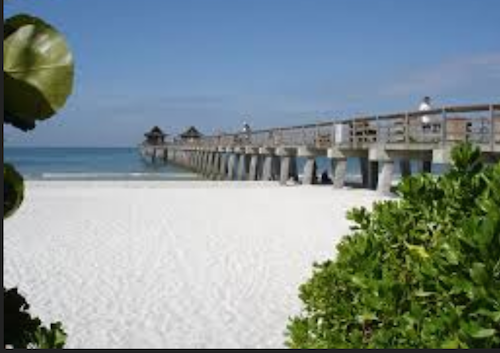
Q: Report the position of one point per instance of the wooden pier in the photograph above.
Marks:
(378, 141)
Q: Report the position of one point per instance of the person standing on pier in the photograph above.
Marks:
(246, 132)
(246, 127)
(425, 105)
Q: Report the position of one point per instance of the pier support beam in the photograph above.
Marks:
(288, 165)
(310, 168)
(180, 156)
(385, 177)
(191, 159)
(177, 157)
(157, 155)
(387, 158)
(310, 171)
(198, 161)
(338, 162)
(270, 165)
(201, 162)
(231, 166)
(209, 162)
(195, 160)
(275, 169)
(223, 166)
(243, 163)
(214, 168)
(288, 169)
(339, 169)
(169, 155)
(253, 173)
(285, 169)
(204, 164)
(253, 168)
(267, 169)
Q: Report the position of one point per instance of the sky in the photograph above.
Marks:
(217, 63)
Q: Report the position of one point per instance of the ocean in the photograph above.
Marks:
(123, 164)
(90, 164)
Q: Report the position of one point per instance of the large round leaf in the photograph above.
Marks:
(13, 190)
(38, 70)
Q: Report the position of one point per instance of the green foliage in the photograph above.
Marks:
(38, 78)
(419, 272)
(22, 330)
(38, 71)
(13, 190)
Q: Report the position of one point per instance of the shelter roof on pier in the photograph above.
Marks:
(155, 132)
(191, 133)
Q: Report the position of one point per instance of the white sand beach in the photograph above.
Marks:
(171, 264)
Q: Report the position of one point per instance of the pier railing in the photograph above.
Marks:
(479, 124)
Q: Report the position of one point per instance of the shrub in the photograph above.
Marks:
(13, 190)
(419, 272)
(38, 78)
(22, 330)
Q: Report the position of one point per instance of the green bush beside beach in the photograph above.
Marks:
(422, 271)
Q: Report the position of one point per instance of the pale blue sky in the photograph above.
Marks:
(215, 63)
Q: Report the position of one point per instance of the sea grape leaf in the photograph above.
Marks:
(418, 250)
(478, 273)
(55, 337)
(38, 70)
(483, 333)
(451, 344)
(13, 190)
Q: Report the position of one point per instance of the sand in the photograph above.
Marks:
(172, 264)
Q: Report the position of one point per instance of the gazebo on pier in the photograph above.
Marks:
(155, 137)
(190, 135)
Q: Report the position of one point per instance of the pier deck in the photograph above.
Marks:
(378, 141)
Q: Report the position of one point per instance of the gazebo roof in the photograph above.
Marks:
(156, 131)
(191, 132)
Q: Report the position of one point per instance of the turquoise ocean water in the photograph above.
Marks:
(90, 164)
(121, 164)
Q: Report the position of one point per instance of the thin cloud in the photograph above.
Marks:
(450, 76)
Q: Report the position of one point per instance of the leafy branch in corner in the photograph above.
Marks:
(38, 78)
